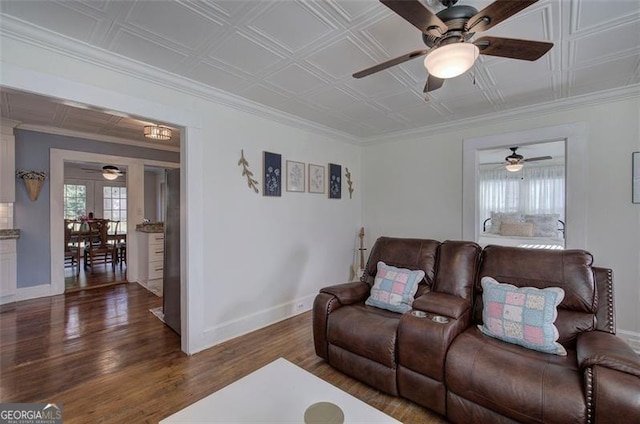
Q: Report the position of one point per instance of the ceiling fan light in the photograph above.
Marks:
(451, 60)
(109, 176)
(110, 172)
(514, 167)
(157, 132)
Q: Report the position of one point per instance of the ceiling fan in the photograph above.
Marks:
(515, 161)
(448, 34)
(109, 172)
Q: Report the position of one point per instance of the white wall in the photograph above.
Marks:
(414, 188)
(248, 260)
(251, 260)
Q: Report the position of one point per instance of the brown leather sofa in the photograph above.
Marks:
(455, 370)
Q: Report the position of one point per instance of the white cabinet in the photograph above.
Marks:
(151, 257)
(8, 267)
(7, 163)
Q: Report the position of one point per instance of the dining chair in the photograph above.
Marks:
(98, 249)
(72, 244)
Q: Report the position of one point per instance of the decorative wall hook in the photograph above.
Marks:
(251, 182)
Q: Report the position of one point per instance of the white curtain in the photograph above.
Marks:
(534, 190)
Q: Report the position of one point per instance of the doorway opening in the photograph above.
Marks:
(521, 195)
(92, 200)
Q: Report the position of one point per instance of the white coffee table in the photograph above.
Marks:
(279, 392)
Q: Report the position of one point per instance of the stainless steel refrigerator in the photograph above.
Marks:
(171, 278)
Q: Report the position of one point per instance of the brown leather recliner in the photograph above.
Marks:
(452, 368)
(489, 380)
(363, 341)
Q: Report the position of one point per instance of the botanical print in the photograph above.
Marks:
(295, 176)
(335, 181)
(316, 178)
(272, 174)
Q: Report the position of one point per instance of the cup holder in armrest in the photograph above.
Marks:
(435, 318)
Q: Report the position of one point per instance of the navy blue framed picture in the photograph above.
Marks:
(335, 181)
(272, 174)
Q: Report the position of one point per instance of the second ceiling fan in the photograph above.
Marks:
(448, 37)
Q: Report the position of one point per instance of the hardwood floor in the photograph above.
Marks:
(101, 276)
(107, 359)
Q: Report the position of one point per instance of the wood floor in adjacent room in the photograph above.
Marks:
(107, 359)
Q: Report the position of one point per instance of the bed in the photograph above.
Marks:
(541, 231)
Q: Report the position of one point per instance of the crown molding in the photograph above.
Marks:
(606, 96)
(28, 33)
(97, 137)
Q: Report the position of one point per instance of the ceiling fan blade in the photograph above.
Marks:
(513, 48)
(433, 83)
(389, 63)
(495, 13)
(417, 14)
(538, 158)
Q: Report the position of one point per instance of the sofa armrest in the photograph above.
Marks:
(607, 350)
(349, 293)
(442, 304)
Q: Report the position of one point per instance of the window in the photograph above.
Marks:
(115, 206)
(534, 190)
(75, 201)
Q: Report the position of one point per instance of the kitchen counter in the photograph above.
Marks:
(9, 234)
(151, 227)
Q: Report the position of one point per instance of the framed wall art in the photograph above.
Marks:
(316, 179)
(272, 174)
(635, 175)
(335, 181)
(295, 176)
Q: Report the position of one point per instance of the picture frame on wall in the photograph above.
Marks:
(635, 175)
(272, 174)
(316, 179)
(295, 176)
(335, 181)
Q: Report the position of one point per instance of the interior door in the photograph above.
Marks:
(171, 276)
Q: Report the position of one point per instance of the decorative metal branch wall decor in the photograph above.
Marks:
(349, 182)
(251, 182)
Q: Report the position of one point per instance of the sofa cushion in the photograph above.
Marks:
(522, 384)
(403, 253)
(516, 229)
(523, 316)
(568, 269)
(394, 288)
(544, 225)
(497, 218)
(365, 331)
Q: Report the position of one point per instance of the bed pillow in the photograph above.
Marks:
(516, 229)
(544, 225)
(522, 315)
(394, 288)
(498, 217)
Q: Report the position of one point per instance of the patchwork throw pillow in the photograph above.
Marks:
(544, 225)
(522, 315)
(516, 229)
(394, 288)
(498, 217)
